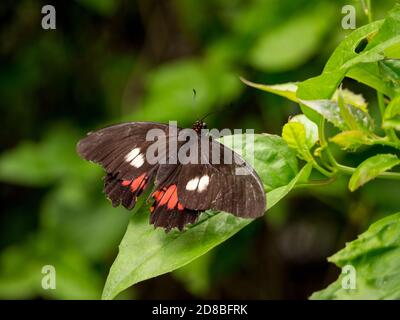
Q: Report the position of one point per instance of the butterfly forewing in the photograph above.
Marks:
(121, 149)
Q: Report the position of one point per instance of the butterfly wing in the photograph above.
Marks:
(167, 211)
(181, 191)
(121, 150)
(230, 185)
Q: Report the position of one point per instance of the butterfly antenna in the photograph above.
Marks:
(217, 111)
(194, 103)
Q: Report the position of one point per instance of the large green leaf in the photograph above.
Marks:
(371, 168)
(384, 34)
(375, 257)
(145, 253)
(324, 85)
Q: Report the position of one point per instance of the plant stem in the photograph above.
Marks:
(381, 104)
(367, 9)
(322, 170)
(324, 143)
(316, 183)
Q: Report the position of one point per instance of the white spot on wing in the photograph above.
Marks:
(132, 155)
(203, 183)
(192, 184)
(138, 161)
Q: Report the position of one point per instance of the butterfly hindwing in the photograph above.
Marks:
(167, 210)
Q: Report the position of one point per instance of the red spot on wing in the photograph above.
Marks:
(157, 195)
(138, 183)
(173, 200)
(126, 183)
(167, 196)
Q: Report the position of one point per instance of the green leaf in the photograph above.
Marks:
(351, 140)
(390, 73)
(195, 276)
(145, 253)
(381, 35)
(370, 75)
(349, 97)
(391, 117)
(331, 111)
(287, 90)
(310, 127)
(294, 133)
(375, 257)
(371, 168)
(324, 85)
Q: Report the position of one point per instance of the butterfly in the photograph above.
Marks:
(183, 186)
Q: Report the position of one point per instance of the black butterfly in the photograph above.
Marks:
(182, 190)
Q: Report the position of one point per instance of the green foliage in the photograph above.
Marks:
(294, 133)
(110, 72)
(371, 168)
(322, 99)
(351, 140)
(375, 258)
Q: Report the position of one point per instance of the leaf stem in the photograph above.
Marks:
(322, 170)
(381, 103)
(316, 183)
(324, 143)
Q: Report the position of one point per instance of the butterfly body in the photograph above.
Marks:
(189, 170)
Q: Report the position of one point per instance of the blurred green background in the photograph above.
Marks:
(110, 61)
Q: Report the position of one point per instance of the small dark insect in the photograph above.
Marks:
(181, 191)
